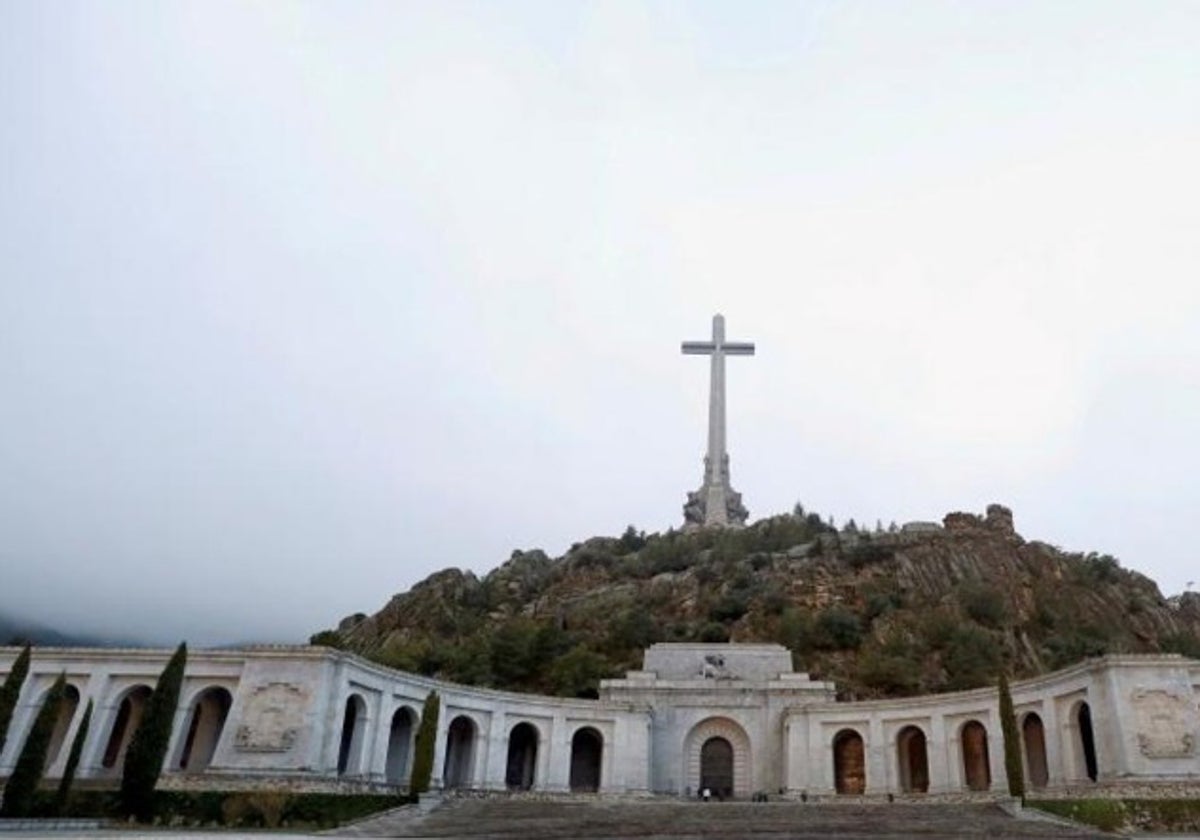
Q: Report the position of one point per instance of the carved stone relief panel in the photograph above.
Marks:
(271, 718)
(1166, 722)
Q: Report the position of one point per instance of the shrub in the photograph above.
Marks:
(11, 691)
(985, 605)
(881, 602)
(889, 674)
(634, 629)
(632, 540)
(714, 632)
(327, 638)
(241, 809)
(578, 672)
(31, 764)
(731, 607)
(148, 747)
(971, 657)
(795, 630)
(867, 554)
(422, 770)
(1072, 645)
(1183, 643)
(838, 629)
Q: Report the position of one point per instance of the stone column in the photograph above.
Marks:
(558, 756)
(937, 751)
(377, 765)
(878, 779)
(437, 778)
(1055, 770)
(495, 748)
(179, 727)
(954, 760)
(996, 752)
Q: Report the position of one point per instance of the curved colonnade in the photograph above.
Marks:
(323, 719)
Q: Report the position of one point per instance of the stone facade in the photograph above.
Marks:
(735, 719)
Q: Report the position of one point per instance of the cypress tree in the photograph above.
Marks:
(10, 691)
(68, 778)
(31, 764)
(1013, 768)
(426, 735)
(148, 747)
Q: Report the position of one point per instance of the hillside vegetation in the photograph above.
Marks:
(892, 612)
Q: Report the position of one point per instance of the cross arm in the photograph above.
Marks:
(737, 348)
(698, 348)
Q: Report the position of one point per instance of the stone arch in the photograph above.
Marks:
(520, 771)
(62, 723)
(1033, 737)
(128, 714)
(587, 756)
(354, 727)
(912, 755)
(739, 742)
(209, 710)
(460, 753)
(849, 762)
(977, 768)
(400, 746)
(1085, 741)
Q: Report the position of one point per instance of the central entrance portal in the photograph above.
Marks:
(716, 756)
(716, 768)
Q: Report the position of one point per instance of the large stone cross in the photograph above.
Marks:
(716, 503)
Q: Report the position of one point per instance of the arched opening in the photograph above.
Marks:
(913, 756)
(522, 757)
(849, 763)
(741, 773)
(128, 716)
(354, 725)
(1033, 734)
(587, 750)
(460, 753)
(977, 769)
(62, 723)
(1087, 740)
(716, 768)
(206, 722)
(399, 751)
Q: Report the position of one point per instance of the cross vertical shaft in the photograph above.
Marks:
(716, 503)
(716, 398)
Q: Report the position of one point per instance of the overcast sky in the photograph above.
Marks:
(302, 302)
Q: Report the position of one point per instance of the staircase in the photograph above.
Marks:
(669, 818)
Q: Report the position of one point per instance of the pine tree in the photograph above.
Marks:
(148, 747)
(1013, 768)
(426, 734)
(31, 764)
(10, 691)
(68, 778)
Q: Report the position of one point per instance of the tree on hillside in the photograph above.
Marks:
(68, 777)
(148, 747)
(422, 770)
(11, 690)
(1013, 768)
(31, 764)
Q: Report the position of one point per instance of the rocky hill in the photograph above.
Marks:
(909, 610)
